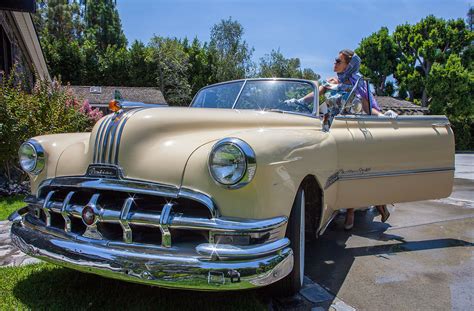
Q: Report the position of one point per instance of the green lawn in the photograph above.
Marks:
(47, 287)
(9, 205)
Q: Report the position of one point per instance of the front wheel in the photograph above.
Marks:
(295, 231)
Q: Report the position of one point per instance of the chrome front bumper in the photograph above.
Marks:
(197, 269)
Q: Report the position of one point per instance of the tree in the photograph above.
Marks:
(60, 29)
(230, 55)
(172, 65)
(379, 55)
(142, 67)
(200, 62)
(452, 86)
(276, 65)
(102, 24)
(421, 45)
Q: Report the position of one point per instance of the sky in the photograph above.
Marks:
(312, 30)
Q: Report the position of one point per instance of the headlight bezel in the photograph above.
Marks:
(40, 159)
(250, 162)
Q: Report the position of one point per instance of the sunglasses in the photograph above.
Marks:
(338, 61)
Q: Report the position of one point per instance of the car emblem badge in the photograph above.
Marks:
(88, 216)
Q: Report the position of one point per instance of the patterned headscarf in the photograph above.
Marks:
(352, 70)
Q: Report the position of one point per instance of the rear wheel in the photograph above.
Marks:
(295, 231)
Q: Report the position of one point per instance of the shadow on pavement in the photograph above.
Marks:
(328, 260)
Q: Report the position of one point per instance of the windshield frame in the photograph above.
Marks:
(314, 84)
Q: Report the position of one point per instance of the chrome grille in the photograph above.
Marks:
(123, 216)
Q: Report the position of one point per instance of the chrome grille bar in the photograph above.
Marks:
(165, 221)
(64, 212)
(127, 231)
(45, 208)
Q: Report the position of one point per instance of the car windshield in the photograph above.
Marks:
(279, 95)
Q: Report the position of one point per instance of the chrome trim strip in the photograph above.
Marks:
(107, 139)
(226, 251)
(238, 95)
(111, 142)
(124, 216)
(351, 175)
(97, 135)
(64, 212)
(101, 138)
(200, 197)
(149, 266)
(119, 135)
(125, 185)
(397, 119)
(165, 222)
(130, 185)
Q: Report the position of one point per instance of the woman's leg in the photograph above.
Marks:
(349, 223)
(383, 211)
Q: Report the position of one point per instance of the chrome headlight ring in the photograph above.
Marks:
(245, 168)
(32, 157)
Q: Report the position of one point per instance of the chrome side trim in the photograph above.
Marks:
(342, 175)
(397, 119)
(226, 251)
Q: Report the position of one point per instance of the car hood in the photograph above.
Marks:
(154, 144)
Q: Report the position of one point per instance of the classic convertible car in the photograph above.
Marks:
(222, 194)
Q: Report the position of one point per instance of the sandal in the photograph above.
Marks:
(384, 213)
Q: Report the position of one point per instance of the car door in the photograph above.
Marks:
(386, 160)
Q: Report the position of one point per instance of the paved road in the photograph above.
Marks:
(422, 259)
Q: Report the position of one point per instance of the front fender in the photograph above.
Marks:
(66, 154)
(284, 158)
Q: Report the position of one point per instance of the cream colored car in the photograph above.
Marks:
(220, 195)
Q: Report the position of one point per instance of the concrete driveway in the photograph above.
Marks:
(421, 259)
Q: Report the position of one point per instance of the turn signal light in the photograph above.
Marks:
(114, 105)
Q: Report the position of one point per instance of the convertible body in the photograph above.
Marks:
(145, 196)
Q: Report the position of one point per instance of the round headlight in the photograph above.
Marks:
(31, 156)
(232, 163)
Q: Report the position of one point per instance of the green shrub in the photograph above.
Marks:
(48, 109)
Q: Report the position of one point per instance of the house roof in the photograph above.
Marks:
(400, 106)
(100, 96)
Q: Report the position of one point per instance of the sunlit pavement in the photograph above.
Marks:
(421, 259)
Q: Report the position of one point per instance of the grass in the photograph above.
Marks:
(48, 287)
(10, 204)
